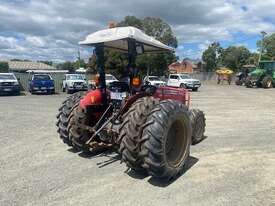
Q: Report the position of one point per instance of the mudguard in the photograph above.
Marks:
(179, 94)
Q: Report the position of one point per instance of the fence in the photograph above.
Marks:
(58, 78)
(205, 76)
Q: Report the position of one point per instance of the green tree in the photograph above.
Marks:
(253, 58)
(79, 64)
(21, 60)
(116, 62)
(4, 67)
(235, 57)
(131, 21)
(211, 56)
(268, 47)
(66, 66)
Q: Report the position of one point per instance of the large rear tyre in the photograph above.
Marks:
(63, 116)
(166, 139)
(131, 132)
(197, 118)
(267, 82)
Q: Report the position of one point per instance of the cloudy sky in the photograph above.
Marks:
(51, 29)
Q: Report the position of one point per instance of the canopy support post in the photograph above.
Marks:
(99, 51)
(132, 55)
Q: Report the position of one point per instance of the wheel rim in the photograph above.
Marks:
(176, 143)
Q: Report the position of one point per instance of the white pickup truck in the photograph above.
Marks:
(184, 81)
(108, 78)
(74, 82)
(154, 80)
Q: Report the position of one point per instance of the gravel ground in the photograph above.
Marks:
(235, 165)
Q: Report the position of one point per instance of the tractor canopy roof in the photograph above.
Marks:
(117, 38)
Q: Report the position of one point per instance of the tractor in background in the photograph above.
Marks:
(243, 74)
(151, 127)
(263, 76)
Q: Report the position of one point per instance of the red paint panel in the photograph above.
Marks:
(173, 93)
(92, 98)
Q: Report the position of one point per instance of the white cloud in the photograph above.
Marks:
(35, 41)
(52, 28)
(7, 42)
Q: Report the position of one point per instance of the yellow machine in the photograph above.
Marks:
(224, 74)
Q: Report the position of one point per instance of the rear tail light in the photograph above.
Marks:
(136, 81)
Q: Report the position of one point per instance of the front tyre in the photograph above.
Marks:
(267, 82)
(248, 83)
(167, 139)
(197, 118)
(182, 86)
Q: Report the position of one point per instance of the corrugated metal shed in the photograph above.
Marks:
(23, 66)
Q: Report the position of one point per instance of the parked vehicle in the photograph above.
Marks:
(108, 78)
(74, 83)
(41, 83)
(154, 80)
(150, 127)
(263, 76)
(9, 84)
(184, 81)
(243, 74)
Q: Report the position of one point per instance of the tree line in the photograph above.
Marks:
(234, 57)
(116, 62)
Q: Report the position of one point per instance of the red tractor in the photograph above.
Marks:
(151, 127)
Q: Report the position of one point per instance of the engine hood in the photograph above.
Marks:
(73, 81)
(158, 82)
(43, 82)
(257, 72)
(191, 80)
(8, 80)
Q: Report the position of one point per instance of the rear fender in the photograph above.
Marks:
(178, 94)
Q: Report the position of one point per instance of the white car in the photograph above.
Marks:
(74, 82)
(154, 80)
(184, 81)
(108, 78)
(9, 83)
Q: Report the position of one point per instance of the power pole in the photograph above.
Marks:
(78, 58)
